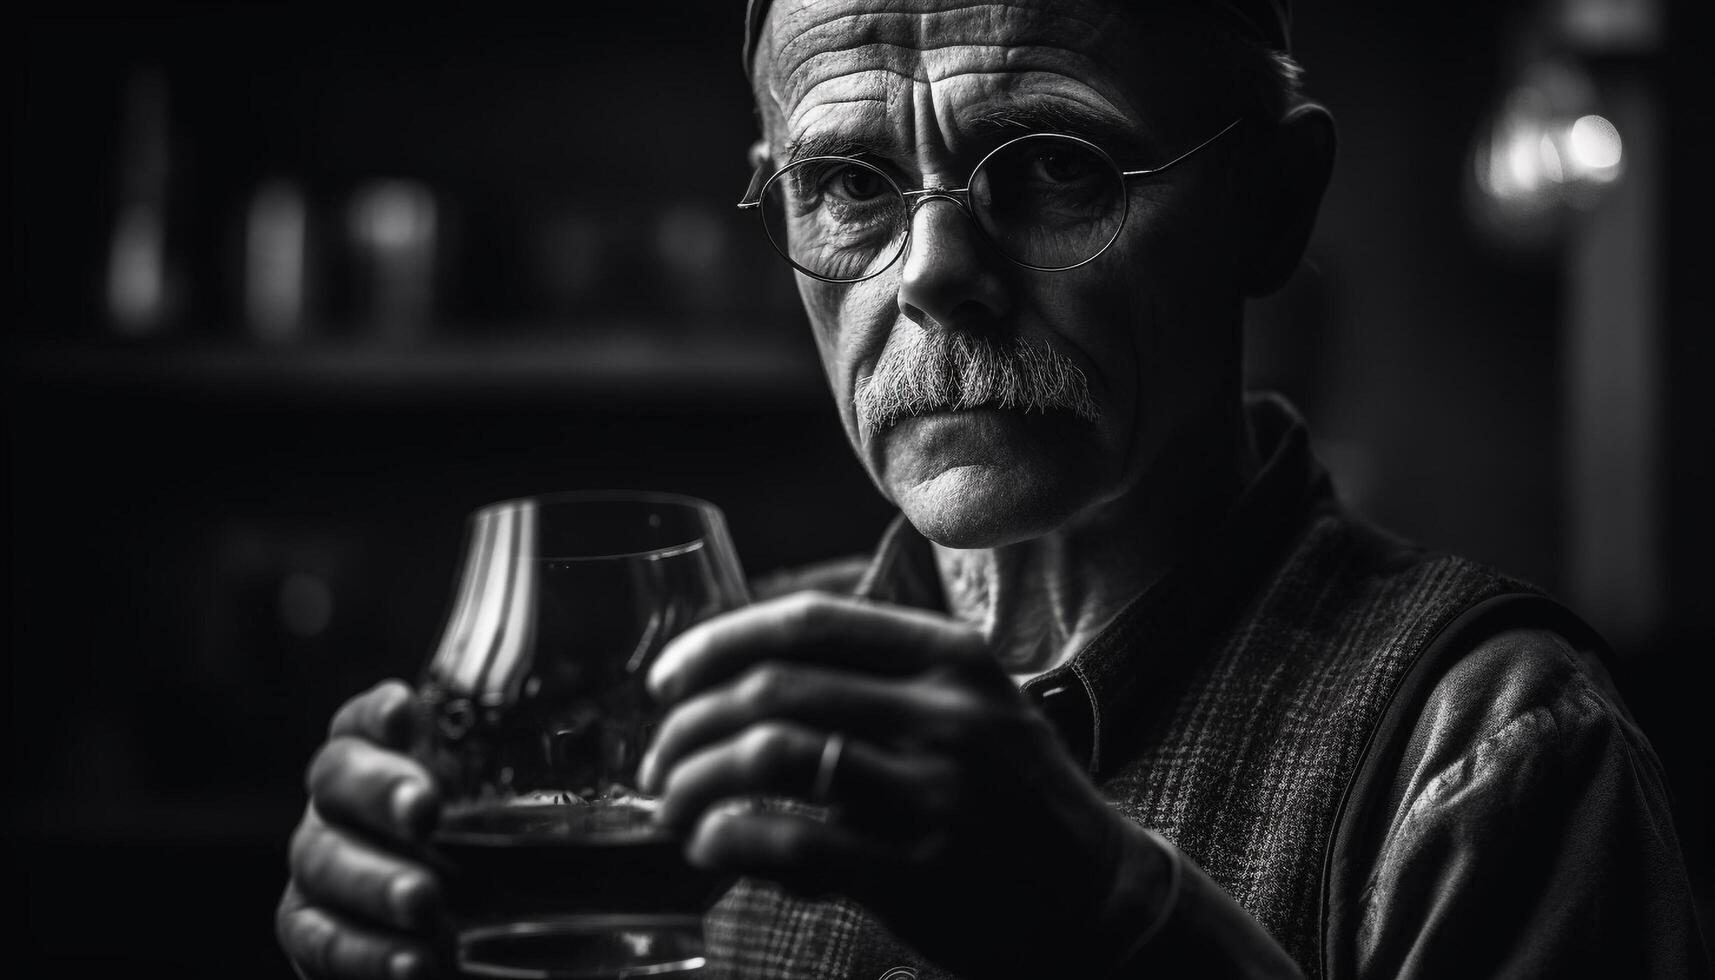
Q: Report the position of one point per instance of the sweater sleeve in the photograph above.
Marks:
(1527, 834)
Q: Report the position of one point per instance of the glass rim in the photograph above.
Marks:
(714, 517)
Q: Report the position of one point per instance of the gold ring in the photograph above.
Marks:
(824, 783)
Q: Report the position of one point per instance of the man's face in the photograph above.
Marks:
(1151, 323)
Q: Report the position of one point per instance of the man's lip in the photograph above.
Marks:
(986, 408)
(988, 417)
(946, 413)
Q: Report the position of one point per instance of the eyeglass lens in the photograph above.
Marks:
(1045, 201)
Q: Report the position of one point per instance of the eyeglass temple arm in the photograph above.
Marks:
(764, 161)
(1183, 156)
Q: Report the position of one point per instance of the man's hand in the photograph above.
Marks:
(361, 903)
(958, 817)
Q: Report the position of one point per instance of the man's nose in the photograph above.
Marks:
(951, 273)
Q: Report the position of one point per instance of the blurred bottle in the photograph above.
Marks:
(691, 253)
(570, 255)
(394, 227)
(276, 262)
(144, 284)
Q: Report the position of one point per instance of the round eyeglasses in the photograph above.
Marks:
(1046, 201)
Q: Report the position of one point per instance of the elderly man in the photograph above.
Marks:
(1124, 691)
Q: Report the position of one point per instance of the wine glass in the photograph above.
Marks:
(553, 865)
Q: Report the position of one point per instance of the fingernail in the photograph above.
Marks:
(404, 896)
(656, 681)
(700, 847)
(646, 773)
(405, 965)
(407, 806)
(662, 670)
(394, 719)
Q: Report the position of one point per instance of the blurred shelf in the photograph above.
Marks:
(609, 364)
(209, 817)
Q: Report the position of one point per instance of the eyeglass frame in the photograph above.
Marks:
(961, 196)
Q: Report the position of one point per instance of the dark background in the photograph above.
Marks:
(212, 540)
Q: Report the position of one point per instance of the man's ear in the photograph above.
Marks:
(1291, 175)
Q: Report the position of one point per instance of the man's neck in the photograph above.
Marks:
(1040, 601)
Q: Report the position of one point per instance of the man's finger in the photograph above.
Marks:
(814, 627)
(874, 790)
(324, 945)
(357, 784)
(343, 873)
(808, 856)
(878, 710)
(386, 714)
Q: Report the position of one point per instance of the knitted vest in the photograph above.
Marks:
(1245, 771)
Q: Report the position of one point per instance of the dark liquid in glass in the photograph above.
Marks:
(570, 889)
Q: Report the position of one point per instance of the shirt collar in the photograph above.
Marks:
(1099, 698)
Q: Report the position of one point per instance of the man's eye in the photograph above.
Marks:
(856, 184)
(1064, 166)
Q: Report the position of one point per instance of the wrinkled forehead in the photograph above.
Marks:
(872, 59)
(1267, 22)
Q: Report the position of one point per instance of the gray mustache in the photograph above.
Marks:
(941, 370)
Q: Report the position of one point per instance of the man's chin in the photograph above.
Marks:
(983, 506)
(983, 478)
